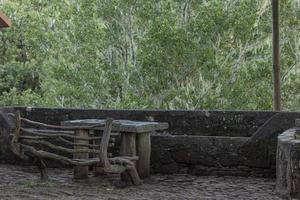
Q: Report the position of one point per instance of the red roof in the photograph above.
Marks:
(4, 20)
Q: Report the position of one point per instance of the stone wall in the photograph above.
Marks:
(206, 155)
(210, 123)
(198, 142)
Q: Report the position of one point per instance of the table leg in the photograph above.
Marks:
(128, 148)
(144, 153)
(81, 172)
(128, 144)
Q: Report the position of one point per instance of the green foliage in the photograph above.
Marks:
(168, 54)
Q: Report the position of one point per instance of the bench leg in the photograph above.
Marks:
(99, 171)
(43, 169)
(81, 172)
(133, 174)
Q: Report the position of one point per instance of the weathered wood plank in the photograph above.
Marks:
(54, 135)
(121, 125)
(39, 124)
(63, 149)
(65, 160)
(95, 147)
(69, 132)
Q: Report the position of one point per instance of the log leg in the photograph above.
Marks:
(144, 153)
(133, 174)
(98, 170)
(43, 169)
(128, 148)
(81, 172)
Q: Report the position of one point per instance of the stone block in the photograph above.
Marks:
(288, 165)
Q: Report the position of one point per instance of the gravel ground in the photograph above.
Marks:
(18, 182)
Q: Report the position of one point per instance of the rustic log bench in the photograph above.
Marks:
(135, 138)
(38, 141)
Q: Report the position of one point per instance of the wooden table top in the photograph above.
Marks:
(121, 125)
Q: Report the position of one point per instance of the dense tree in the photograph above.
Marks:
(169, 54)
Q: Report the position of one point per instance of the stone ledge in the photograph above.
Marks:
(207, 155)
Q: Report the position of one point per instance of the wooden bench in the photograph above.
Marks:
(35, 141)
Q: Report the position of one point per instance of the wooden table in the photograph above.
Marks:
(135, 139)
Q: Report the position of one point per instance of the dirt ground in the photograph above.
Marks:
(18, 182)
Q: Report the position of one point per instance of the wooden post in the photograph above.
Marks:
(96, 133)
(128, 148)
(81, 172)
(144, 153)
(4, 21)
(276, 56)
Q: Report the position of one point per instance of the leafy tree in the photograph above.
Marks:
(168, 54)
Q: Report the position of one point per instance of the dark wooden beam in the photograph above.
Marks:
(4, 21)
(276, 56)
